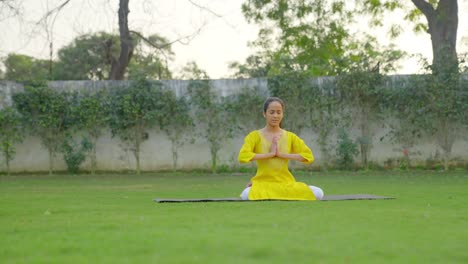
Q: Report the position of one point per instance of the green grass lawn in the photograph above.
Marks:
(112, 218)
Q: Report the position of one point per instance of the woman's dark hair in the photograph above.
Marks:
(270, 100)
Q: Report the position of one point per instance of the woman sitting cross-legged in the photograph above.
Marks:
(272, 147)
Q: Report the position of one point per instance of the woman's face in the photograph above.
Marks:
(274, 114)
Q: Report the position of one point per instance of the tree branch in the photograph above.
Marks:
(53, 11)
(211, 12)
(424, 7)
(149, 42)
(205, 8)
(160, 47)
(12, 8)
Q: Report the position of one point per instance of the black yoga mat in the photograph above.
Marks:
(339, 197)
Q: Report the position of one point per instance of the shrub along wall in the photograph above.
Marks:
(148, 126)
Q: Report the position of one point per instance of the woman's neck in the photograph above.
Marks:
(272, 129)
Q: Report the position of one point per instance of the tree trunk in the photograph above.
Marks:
(446, 161)
(364, 156)
(214, 157)
(137, 158)
(446, 138)
(7, 161)
(365, 139)
(93, 157)
(119, 66)
(443, 25)
(51, 160)
(323, 141)
(175, 155)
(326, 155)
(137, 154)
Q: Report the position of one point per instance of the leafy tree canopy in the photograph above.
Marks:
(25, 68)
(314, 35)
(191, 71)
(91, 56)
(87, 57)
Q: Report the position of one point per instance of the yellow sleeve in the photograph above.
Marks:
(246, 153)
(299, 147)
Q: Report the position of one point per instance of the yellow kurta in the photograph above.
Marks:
(273, 179)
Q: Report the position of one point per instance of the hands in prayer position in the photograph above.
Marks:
(274, 147)
(275, 151)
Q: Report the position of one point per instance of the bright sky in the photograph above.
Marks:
(220, 40)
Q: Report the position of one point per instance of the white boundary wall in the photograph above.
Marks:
(156, 151)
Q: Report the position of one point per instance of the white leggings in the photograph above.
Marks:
(318, 192)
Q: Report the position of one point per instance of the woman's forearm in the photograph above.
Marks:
(260, 156)
(296, 157)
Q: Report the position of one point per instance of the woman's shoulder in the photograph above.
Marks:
(291, 135)
(253, 134)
